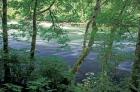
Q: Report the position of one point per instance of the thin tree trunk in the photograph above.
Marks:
(135, 87)
(4, 25)
(86, 49)
(33, 43)
(5, 42)
(108, 51)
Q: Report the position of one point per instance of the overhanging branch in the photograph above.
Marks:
(47, 9)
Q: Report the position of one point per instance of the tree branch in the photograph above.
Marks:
(104, 2)
(47, 9)
(86, 33)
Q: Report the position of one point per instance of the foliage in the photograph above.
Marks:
(39, 85)
(55, 32)
(48, 74)
(102, 83)
(52, 74)
(11, 88)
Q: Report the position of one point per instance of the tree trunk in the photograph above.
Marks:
(5, 42)
(4, 25)
(33, 43)
(135, 87)
(86, 49)
(108, 51)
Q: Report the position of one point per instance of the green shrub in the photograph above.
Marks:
(9, 87)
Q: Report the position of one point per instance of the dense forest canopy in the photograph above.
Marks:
(70, 46)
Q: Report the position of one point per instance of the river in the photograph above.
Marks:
(92, 62)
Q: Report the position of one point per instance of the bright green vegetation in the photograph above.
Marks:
(107, 30)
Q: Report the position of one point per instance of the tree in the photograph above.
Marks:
(88, 47)
(135, 86)
(5, 42)
(4, 25)
(33, 43)
(135, 77)
(34, 34)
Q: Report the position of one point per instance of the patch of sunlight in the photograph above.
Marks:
(77, 33)
(45, 24)
(96, 45)
(72, 28)
(73, 43)
(12, 22)
(65, 27)
(11, 31)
